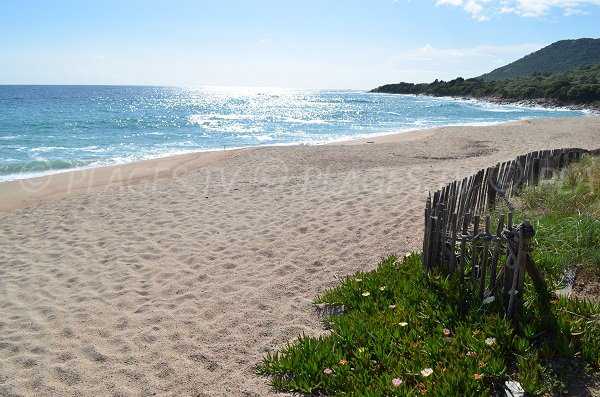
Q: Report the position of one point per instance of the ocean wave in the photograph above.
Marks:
(259, 138)
(97, 149)
(238, 128)
(40, 166)
(501, 110)
(212, 118)
(47, 149)
(9, 137)
(302, 121)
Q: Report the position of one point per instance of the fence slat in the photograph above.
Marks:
(426, 236)
(443, 230)
(492, 188)
(496, 252)
(452, 263)
(474, 255)
(484, 259)
(463, 247)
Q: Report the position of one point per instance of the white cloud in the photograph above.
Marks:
(428, 52)
(476, 11)
(473, 8)
(482, 9)
(536, 8)
(574, 11)
(454, 3)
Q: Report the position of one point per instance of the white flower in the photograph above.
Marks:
(490, 341)
(366, 293)
(403, 324)
(407, 255)
(382, 288)
(426, 372)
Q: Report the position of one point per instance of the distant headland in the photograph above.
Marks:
(565, 73)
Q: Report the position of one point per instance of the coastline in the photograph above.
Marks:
(541, 103)
(593, 108)
(27, 192)
(177, 278)
(43, 158)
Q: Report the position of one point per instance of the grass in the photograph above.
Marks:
(410, 333)
(567, 212)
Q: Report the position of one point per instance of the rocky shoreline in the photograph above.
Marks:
(541, 102)
(548, 103)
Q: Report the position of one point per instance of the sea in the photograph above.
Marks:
(50, 129)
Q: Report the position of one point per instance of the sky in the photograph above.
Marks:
(328, 44)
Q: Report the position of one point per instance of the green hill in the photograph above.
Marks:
(558, 57)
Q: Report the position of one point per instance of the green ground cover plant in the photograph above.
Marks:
(406, 332)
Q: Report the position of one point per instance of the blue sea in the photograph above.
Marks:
(48, 129)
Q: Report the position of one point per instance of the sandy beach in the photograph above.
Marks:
(173, 277)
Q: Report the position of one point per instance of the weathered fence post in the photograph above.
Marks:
(523, 232)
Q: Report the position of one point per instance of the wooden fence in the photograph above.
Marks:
(455, 236)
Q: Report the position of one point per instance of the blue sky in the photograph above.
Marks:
(276, 43)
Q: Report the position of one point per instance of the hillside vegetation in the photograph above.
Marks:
(578, 87)
(558, 57)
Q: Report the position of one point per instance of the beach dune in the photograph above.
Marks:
(173, 277)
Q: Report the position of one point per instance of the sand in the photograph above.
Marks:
(174, 277)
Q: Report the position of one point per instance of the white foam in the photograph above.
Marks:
(46, 149)
(302, 121)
